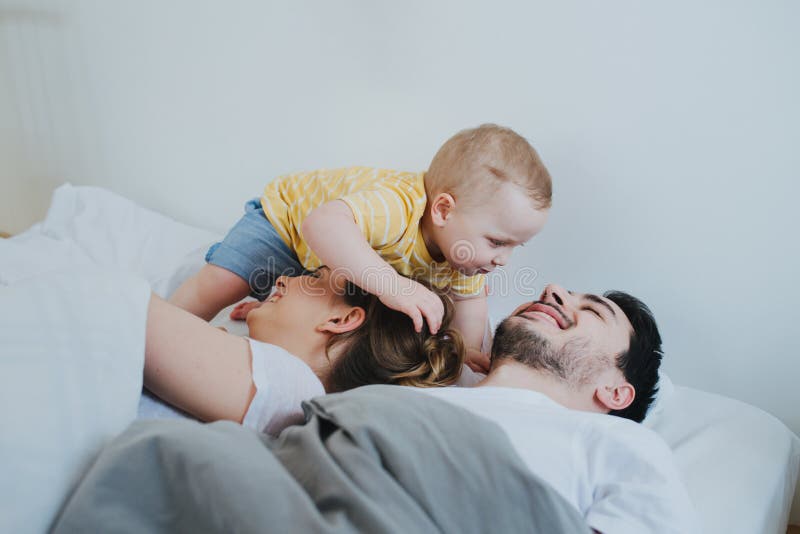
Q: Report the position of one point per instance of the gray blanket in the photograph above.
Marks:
(375, 459)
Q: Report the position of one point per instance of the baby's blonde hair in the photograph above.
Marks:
(474, 162)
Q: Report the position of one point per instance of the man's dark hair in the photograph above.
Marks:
(640, 363)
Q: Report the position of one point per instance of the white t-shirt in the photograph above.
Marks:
(620, 475)
(282, 381)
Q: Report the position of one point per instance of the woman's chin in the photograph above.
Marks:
(251, 319)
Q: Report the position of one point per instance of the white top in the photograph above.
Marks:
(620, 475)
(282, 382)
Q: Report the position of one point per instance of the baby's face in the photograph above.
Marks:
(478, 239)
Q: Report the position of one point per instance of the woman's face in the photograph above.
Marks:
(298, 304)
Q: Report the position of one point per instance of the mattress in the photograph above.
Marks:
(739, 464)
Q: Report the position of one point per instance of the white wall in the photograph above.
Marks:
(670, 128)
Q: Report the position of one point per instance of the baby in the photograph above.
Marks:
(485, 193)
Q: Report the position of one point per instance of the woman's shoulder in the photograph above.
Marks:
(272, 363)
(283, 381)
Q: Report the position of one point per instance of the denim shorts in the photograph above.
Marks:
(255, 251)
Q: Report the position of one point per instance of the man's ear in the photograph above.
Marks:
(617, 396)
(343, 320)
(441, 207)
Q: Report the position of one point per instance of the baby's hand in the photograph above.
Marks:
(477, 361)
(416, 301)
(239, 313)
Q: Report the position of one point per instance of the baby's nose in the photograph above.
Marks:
(500, 260)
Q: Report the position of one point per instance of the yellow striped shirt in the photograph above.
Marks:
(387, 206)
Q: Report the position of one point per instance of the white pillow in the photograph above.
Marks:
(71, 357)
(114, 232)
(666, 390)
(36, 255)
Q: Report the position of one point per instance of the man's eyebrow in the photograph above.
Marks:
(598, 300)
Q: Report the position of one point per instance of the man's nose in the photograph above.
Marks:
(555, 293)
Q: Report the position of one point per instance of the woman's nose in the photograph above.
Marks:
(280, 283)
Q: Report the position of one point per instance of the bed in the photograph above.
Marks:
(739, 464)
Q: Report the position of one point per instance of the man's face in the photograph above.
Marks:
(573, 336)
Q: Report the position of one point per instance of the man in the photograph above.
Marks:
(559, 366)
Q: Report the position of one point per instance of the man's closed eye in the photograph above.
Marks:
(597, 313)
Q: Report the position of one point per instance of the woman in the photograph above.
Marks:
(318, 333)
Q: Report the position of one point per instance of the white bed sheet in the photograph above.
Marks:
(739, 463)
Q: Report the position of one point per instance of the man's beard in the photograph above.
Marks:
(572, 363)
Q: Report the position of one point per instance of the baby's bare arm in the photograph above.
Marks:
(333, 235)
(470, 319)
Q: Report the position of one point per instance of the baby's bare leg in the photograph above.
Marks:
(210, 290)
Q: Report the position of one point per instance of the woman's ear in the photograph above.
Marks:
(441, 207)
(344, 320)
(616, 397)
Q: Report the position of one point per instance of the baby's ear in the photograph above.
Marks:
(441, 207)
